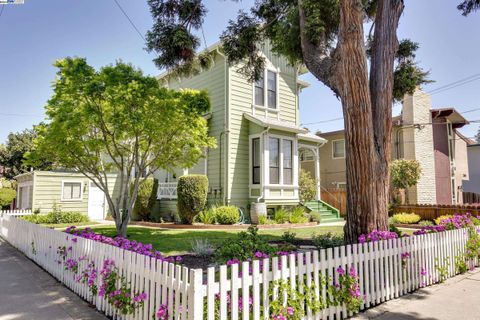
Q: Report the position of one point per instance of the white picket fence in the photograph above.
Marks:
(16, 212)
(191, 294)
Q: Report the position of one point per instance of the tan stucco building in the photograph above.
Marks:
(422, 133)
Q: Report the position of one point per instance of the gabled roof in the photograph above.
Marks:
(274, 124)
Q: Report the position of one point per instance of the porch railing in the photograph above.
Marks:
(167, 190)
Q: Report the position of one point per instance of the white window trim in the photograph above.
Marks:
(294, 161)
(72, 200)
(265, 108)
(250, 160)
(333, 149)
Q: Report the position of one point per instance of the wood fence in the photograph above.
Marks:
(431, 212)
(385, 272)
(336, 198)
(471, 198)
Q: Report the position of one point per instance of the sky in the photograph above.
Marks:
(35, 34)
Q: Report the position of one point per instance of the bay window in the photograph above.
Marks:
(287, 161)
(256, 159)
(274, 160)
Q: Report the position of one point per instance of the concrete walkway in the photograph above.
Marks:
(457, 298)
(28, 292)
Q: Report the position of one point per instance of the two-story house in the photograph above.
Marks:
(428, 135)
(259, 139)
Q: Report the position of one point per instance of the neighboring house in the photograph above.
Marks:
(473, 185)
(41, 191)
(258, 133)
(428, 135)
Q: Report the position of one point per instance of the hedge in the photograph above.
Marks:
(191, 196)
(146, 197)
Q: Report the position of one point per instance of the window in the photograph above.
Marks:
(338, 149)
(256, 159)
(272, 89)
(72, 191)
(265, 90)
(287, 161)
(259, 92)
(274, 160)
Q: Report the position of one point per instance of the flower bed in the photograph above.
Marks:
(121, 242)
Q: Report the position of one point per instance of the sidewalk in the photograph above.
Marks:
(457, 298)
(28, 292)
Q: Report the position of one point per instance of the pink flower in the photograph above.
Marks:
(290, 311)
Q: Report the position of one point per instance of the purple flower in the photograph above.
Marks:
(290, 311)
(340, 271)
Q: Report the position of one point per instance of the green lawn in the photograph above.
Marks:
(173, 242)
(66, 225)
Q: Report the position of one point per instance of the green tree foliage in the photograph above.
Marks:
(146, 197)
(191, 196)
(12, 154)
(405, 173)
(468, 6)
(118, 120)
(6, 196)
(307, 186)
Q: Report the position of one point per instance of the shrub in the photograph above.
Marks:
(425, 223)
(243, 246)
(6, 196)
(406, 218)
(56, 217)
(227, 215)
(315, 216)
(207, 216)
(202, 248)
(146, 197)
(443, 217)
(191, 196)
(289, 237)
(297, 215)
(327, 240)
(394, 229)
(265, 220)
(281, 216)
(307, 186)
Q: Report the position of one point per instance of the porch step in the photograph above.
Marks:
(328, 213)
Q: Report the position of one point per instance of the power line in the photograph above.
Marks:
(455, 82)
(323, 121)
(129, 20)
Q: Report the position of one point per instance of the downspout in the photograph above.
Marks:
(226, 130)
(262, 167)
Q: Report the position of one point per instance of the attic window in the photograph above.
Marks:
(265, 90)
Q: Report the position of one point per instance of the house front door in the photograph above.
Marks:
(96, 202)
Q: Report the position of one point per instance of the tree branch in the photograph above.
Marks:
(319, 61)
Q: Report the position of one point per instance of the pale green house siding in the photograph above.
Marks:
(47, 190)
(214, 81)
(232, 96)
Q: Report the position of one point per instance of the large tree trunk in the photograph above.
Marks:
(354, 91)
(367, 100)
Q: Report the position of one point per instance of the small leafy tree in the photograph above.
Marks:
(307, 186)
(191, 196)
(477, 137)
(12, 154)
(6, 196)
(405, 174)
(118, 120)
